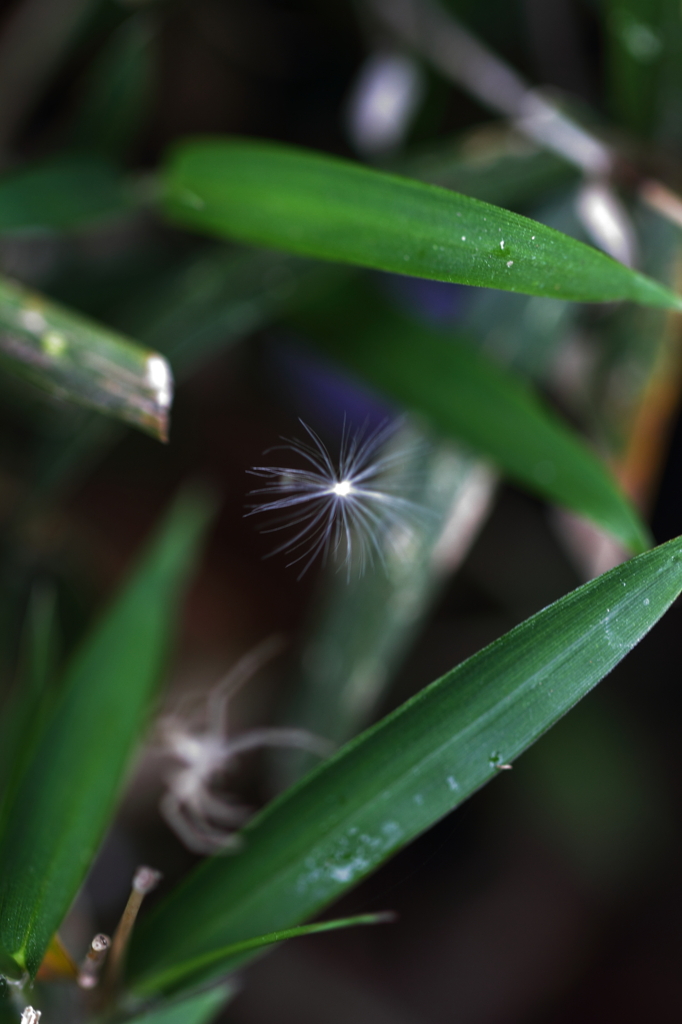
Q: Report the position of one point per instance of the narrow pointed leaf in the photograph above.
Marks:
(61, 194)
(75, 358)
(394, 781)
(180, 972)
(316, 205)
(196, 1009)
(62, 805)
(467, 396)
(25, 711)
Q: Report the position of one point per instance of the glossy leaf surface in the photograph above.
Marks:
(63, 803)
(467, 396)
(315, 205)
(395, 780)
(61, 194)
(73, 357)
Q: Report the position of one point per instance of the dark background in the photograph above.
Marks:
(552, 896)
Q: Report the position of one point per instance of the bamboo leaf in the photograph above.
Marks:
(116, 96)
(62, 805)
(72, 357)
(316, 205)
(394, 781)
(197, 1009)
(179, 972)
(25, 711)
(61, 194)
(465, 395)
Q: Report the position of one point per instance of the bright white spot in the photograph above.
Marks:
(532, 238)
(502, 244)
(510, 263)
(452, 783)
(639, 39)
(30, 1016)
(348, 512)
(53, 343)
(32, 320)
(646, 601)
(607, 221)
(383, 102)
(160, 378)
(464, 238)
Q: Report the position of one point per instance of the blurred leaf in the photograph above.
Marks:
(466, 396)
(496, 168)
(63, 803)
(117, 92)
(178, 973)
(8, 1012)
(80, 360)
(316, 205)
(644, 58)
(394, 781)
(197, 1009)
(61, 194)
(213, 299)
(23, 715)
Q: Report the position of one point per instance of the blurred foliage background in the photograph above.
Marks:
(555, 894)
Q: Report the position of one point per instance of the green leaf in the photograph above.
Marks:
(61, 194)
(495, 167)
(197, 1009)
(72, 357)
(24, 713)
(635, 49)
(64, 801)
(214, 298)
(180, 972)
(316, 205)
(394, 781)
(117, 92)
(465, 395)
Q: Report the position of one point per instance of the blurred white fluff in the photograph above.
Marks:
(352, 512)
(607, 221)
(206, 822)
(383, 102)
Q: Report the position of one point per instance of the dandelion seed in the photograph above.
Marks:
(204, 821)
(350, 512)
